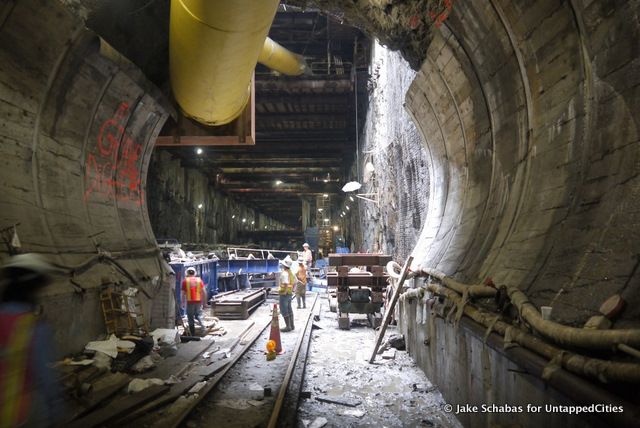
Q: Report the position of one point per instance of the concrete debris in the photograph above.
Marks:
(137, 385)
(352, 412)
(318, 422)
(389, 354)
(423, 388)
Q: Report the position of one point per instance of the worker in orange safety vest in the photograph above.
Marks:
(195, 296)
(28, 392)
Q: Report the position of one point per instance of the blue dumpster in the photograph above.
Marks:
(205, 269)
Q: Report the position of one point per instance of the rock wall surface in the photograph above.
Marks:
(183, 204)
(393, 163)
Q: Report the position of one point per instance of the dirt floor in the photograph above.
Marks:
(391, 392)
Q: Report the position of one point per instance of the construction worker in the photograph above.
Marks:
(29, 396)
(307, 255)
(301, 283)
(195, 296)
(285, 292)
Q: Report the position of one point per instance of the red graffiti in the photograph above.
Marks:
(113, 170)
(441, 13)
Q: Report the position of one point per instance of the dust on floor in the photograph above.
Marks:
(391, 392)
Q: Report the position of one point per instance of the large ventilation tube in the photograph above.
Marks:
(214, 46)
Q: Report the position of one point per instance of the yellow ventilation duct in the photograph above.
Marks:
(214, 46)
(281, 59)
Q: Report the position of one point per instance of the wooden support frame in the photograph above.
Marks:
(389, 310)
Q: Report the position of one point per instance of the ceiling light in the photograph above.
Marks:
(199, 151)
(253, 222)
(347, 207)
(233, 216)
(326, 220)
(265, 227)
(351, 197)
(244, 220)
(278, 182)
(336, 228)
(325, 195)
(199, 206)
(351, 186)
(319, 210)
(343, 213)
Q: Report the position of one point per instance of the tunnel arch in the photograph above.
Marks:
(77, 134)
(529, 111)
(530, 119)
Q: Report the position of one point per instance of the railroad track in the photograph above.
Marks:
(284, 377)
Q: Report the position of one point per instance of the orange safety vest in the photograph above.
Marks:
(16, 341)
(192, 287)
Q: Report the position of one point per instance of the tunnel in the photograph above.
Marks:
(495, 145)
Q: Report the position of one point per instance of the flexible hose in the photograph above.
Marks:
(472, 290)
(560, 334)
(571, 336)
(601, 370)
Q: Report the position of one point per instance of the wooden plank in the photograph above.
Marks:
(104, 388)
(119, 407)
(354, 259)
(358, 281)
(210, 140)
(388, 311)
(182, 410)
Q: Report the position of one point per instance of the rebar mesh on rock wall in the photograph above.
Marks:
(400, 172)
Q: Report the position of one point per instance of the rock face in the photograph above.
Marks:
(183, 203)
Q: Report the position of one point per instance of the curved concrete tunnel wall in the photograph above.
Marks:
(530, 115)
(77, 134)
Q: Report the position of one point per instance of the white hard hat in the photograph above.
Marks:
(286, 262)
(300, 260)
(306, 244)
(191, 271)
(33, 262)
(27, 269)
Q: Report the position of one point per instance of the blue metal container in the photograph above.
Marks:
(207, 270)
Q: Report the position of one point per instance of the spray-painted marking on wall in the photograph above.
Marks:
(441, 12)
(113, 170)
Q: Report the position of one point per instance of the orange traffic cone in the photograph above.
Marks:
(275, 330)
